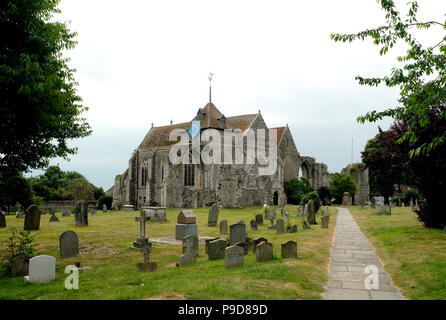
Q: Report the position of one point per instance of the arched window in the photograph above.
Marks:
(189, 175)
(144, 176)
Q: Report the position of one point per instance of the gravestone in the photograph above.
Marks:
(190, 243)
(234, 256)
(264, 251)
(142, 241)
(51, 210)
(213, 216)
(104, 208)
(322, 212)
(305, 225)
(256, 242)
(324, 221)
(65, 212)
(42, 269)
(237, 233)
(186, 225)
(206, 244)
(311, 212)
(289, 249)
(19, 266)
(224, 227)
(216, 249)
(243, 245)
(19, 211)
(53, 217)
(188, 257)
(280, 226)
(93, 212)
(281, 211)
(2, 221)
(253, 224)
(267, 212)
(69, 244)
(146, 265)
(259, 219)
(81, 214)
(293, 228)
(32, 218)
(346, 199)
(43, 209)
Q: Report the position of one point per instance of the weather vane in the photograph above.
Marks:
(210, 87)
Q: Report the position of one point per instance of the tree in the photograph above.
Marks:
(421, 80)
(313, 195)
(14, 188)
(81, 189)
(324, 195)
(40, 110)
(341, 183)
(296, 188)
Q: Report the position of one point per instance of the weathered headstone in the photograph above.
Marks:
(311, 212)
(253, 224)
(186, 224)
(281, 211)
(53, 217)
(280, 226)
(324, 221)
(346, 199)
(289, 249)
(19, 210)
(216, 249)
(2, 221)
(104, 208)
(32, 218)
(255, 242)
(224, 227)
(234, 256)
(306, 225)
(267, 210)
(259, 219)
(142, 241)
(243, 245)
(81, 214)
(190, 243)
(293, 228)
(305, 210)
(206, 244)
(264, 251)
(69, 244)
(42, 269)
(187, 257)
(237, 233)
(213, 216)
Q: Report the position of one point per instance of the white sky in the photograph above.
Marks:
(140, 62)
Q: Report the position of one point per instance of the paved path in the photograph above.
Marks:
(350, 254)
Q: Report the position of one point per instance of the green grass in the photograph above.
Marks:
(105, 246)
(415, 256)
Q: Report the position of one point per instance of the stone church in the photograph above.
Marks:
(152, 180)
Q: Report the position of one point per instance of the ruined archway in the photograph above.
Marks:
(305, 170)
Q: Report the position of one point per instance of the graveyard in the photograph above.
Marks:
(109, 265)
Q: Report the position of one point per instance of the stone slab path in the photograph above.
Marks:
(350, 254)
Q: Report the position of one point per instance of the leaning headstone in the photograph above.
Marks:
(65, 212)
(2, 221)
(264, 251)
(293, 228)
(259, 219)
(324, 221)
(216, 249)
(42, 269)
(237, 233)
(213, 216)
(253, 224)
(234, 256)
(289, 249)
(32, 218)
(280, 226)
(255, 242)
(104, 208)
(306, 225)
(81, 214)
(69, 244)
(224, 227)
(190, 243)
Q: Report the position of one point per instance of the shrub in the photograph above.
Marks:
(312, 195)
(411, 194)
(324, 194)
(296, 188)
(19, 244)
(396, 200)
(341, 183)
(107, 200)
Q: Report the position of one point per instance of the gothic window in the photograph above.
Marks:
(189, 175)
(144, 176)
(162, 174)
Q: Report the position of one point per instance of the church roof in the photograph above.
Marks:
(280, 131)
(211, 117)
(159, 136)
(242, 122)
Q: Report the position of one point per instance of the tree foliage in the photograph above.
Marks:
(14, 188)
(39, 109)
(296, 188)
(341, 183)
(314, 196)
(421, 79)
(81, 189)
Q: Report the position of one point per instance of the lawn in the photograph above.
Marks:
(105, 246)
(413, 255)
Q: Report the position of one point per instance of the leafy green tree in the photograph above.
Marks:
(421, 79)
(341, 183)
(324, 195)
(81, 189)
(14, 188)
(40, 109)
(311, 195)
(296, 188)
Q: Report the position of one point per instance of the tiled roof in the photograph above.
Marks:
(211, 118)
(280, 131)
(242, 122)
(159, 136)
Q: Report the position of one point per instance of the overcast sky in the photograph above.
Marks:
(140, 62)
